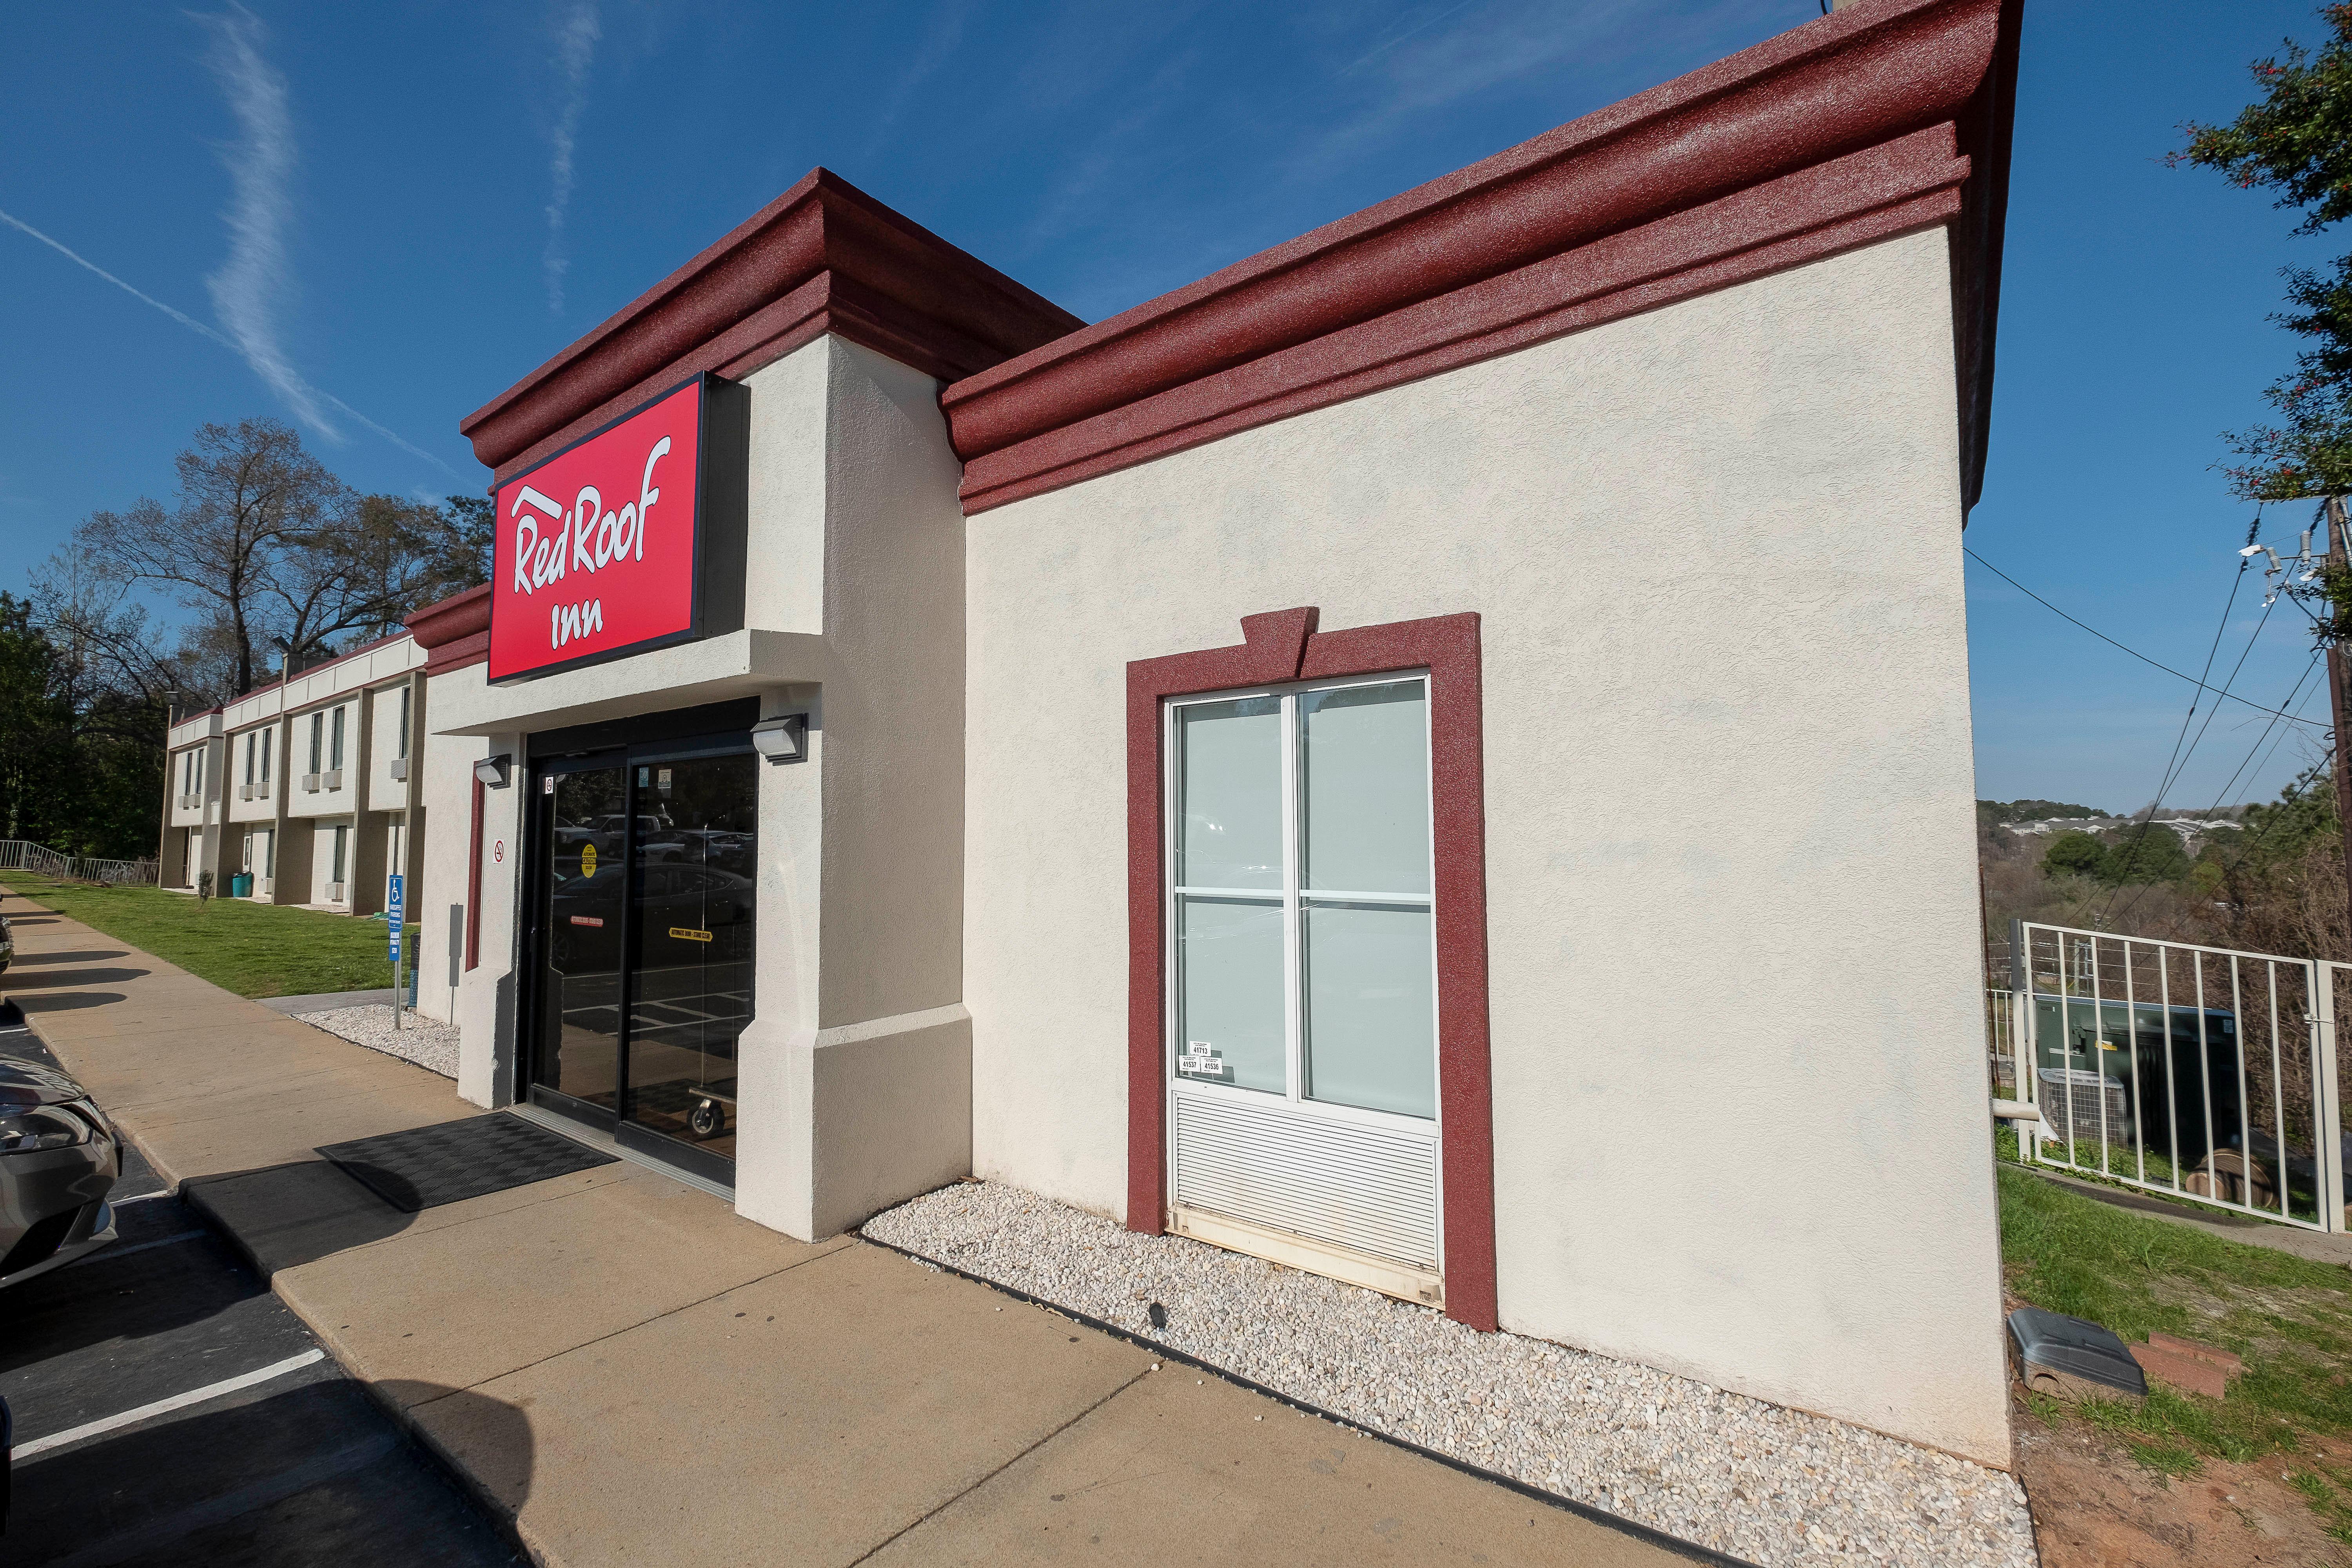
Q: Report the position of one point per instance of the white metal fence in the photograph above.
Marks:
(20, 854)
(2199, 1073)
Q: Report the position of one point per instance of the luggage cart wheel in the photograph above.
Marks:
(707, 1119)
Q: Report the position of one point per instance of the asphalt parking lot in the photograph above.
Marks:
(263, 1451)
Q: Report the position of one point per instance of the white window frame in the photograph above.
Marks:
(335, 742)
(1293, 897)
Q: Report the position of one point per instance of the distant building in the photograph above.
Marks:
(310, 786)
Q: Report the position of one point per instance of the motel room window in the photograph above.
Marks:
(269, 744)
(342, 834)
(248, 764)
(402, 742)
(1304, 955)
(317, 727)
(335, 749)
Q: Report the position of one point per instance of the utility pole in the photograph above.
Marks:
(2336, 562)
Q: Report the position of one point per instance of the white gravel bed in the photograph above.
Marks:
(420, 1040)
(1758, 1481)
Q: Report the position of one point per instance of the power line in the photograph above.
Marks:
(2310, 665)
(2173, 763)
(2316, 654)
(2133, 651)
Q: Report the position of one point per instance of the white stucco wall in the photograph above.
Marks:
(1739, 1110)
(322, 860)
(444, 780)
(856, 1072)
(322, 802)
(475, 997)
(380, 790)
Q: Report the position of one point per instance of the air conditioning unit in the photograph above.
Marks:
(311, 784)
(334, 892)
(399, 770)
(188, 803)
(334, 778)
(245, 792)
(261, 790)
(269, 885)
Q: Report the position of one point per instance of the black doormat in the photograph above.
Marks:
(426, 1167)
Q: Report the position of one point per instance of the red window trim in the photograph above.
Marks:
(474, 884)
(1281, 646)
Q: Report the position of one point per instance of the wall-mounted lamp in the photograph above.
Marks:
(783, 739)
(492, 771)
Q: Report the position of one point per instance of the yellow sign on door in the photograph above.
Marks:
(688, 934)
(587, 859)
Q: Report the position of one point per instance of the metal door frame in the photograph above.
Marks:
(531, 934)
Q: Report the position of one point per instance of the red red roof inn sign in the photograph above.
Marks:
(628, 540)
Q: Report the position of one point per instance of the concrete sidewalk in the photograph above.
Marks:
(622, 1372)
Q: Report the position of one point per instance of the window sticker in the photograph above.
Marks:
(1204, 1059)
(688, 934)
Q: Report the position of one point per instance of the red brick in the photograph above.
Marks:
(2186, 1372)
(2226, 1360)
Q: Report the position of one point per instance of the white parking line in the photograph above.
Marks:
(163, 1406)
(141, 1198)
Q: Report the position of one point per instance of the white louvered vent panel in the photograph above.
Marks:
(1370, 1188)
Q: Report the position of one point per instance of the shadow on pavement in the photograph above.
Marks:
(19, 982)
(289, 1215)
(165, 1289)
(25, 958)
(37, 1003)
(312, 1473)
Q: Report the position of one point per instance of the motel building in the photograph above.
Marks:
(1438, 755)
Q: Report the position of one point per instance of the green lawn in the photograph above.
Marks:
(2290, 1318)
(254, 950)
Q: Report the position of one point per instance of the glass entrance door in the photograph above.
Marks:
(691, 996)
(645, 948)
(584, 851)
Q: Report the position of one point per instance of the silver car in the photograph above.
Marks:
(58, 1159)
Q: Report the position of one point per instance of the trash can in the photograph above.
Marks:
(241, 884)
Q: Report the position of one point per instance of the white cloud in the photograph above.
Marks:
(194, 325)
(576, 32)
(252, 282)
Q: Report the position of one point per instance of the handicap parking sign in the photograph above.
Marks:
(396, 911)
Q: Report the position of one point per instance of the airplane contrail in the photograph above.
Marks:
(203, 329)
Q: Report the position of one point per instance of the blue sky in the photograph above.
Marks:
(371, 219)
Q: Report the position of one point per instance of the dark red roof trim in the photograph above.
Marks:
(1884, 117)
(824, 257)
(454, 632)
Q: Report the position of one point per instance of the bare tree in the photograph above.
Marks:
(238, 547)
(106, 641)
(269, 548)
